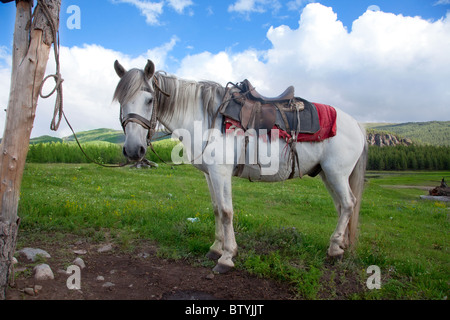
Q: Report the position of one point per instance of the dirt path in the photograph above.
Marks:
(139, 275)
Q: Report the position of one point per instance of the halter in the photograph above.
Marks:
(149, 125)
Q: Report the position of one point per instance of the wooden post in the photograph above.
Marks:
(32, 44)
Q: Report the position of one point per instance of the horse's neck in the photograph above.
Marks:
(194, 114)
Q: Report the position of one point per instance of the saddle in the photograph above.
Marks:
(255, 111)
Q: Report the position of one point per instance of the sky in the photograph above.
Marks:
(378, 60)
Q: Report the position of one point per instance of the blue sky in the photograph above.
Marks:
(368, 63)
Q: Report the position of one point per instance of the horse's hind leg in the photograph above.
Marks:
(345, 202)
(216, 250)
(337, 205)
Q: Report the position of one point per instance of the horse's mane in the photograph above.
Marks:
(185, 94)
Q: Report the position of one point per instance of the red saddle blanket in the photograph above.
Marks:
(327, 119)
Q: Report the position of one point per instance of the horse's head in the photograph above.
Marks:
(135, 94)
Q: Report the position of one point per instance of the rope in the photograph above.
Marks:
(58, 110)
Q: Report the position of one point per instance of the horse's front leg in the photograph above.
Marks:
(216, 250)
(220, 180)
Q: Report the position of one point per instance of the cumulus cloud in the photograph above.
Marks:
(89, 84)
(387, 68)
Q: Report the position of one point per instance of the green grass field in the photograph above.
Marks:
(282, 229)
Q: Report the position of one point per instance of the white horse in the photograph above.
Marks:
(189, 108)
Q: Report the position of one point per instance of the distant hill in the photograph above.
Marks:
(435, 133)
(102, 135)
(106, 135)
(45, 139)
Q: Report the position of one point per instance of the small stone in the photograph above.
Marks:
(79, 262)
(63, 272)
(108, 285)
(29, 291)
(100, 278)
(105, 248)
(80, 252)
(43, 272)
(14, 260)
(210, 276)
(32, 254)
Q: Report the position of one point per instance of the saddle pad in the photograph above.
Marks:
(309, 119)
(327, 118)
(328, 126)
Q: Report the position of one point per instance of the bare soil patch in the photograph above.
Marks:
(138, 275)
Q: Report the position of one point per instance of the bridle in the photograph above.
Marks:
(149, 125)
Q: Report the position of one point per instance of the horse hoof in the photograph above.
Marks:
(221, 268)
(335, 258)
(213, 255)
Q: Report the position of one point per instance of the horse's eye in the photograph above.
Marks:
(149, 101)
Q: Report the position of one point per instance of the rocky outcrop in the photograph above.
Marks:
(386, 139)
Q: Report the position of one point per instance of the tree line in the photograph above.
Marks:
(398, 158)
(415, 157)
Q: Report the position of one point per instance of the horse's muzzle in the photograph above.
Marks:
(135, 154)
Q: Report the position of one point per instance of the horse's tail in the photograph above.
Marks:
(357, 185)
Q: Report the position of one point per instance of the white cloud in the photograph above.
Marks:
(180, 5)
(89, 84)
(297, 4)
(248, 6)
(151, 10)
(441, 2)
(387, 68)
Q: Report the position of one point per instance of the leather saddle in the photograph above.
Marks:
(255, 111)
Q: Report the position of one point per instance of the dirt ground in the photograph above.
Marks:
(137, 275)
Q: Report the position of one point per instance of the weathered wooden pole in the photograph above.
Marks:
(33, 37)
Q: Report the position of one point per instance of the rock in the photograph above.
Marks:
(210, 276)
(105, 248)
(108, 285)
(43, 272)
(80, 252)
(79, 262)
(32, 254)
(100, 279)
(29, 291)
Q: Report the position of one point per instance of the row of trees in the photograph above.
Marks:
(409, 158)
(387, 158)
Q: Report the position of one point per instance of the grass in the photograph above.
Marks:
(282, 229)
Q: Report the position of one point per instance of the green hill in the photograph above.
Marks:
(435, 133)
(97, 135)
(106, 135)
(45, 139)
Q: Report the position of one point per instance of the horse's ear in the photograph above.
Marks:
(149, 70)
(119, 69)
